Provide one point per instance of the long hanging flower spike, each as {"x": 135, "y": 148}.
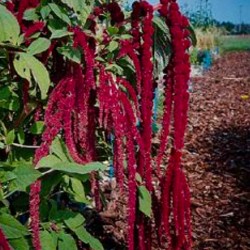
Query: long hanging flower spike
{"x": 71, "y": 111}
{"x": 174, "y": 181}
{"x": 4, "y": 245}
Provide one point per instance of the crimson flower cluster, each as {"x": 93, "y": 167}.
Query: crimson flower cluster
{"x": 174, "y": 182}
{"x": 87, "y": 98}
{"x": 116, "y": 13}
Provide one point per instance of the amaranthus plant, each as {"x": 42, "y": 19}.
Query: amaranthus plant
{"x": 73, "y": 74}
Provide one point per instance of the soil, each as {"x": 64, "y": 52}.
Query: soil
{"x": 216, "y": 162}
{"x": 217, "y": 157}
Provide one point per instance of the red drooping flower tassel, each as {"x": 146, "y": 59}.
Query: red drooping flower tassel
{"x": 4, "y": 245}
{"x": 132, "y": 190}
{"x": 175, "y": 192}
{"x": 35, "y": 190}
{"x": 37, "y": 26}
{"x": 128, "y": 49}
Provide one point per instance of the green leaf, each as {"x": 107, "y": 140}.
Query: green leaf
{"x": 50, "y": 182}
{"x": 113, "y": 45}
{"x": 45, "y": 11}
{"x": 69, "y": 167}
{"x": 38, "y": 46}
{"x": 59, "y": 149}
{"x": 10, "y": 137}
{"x": 12, "y": 104}
{"x": 112, "y": 30}
{"x": 21, "y": 136}
{"x": 6, "y": 176}
{"x": 82, "y": 8}
{"x": 11, "y": 227}
{"x": 37, "y": 128}
{"x": 47, "y": 241}
{"x": 138, "y": 177}
{"x": 26, "y": 175}
{"x": 9, "y": 26}
{"x": 87, "y": 238}
{"x": 5, "y": 93}
{"x": 30, "y": 15}
{"x": 115, "y": 69}
{"x": 66, "y": 242}
{"x": 59, "y": 13}
{"x": 19, "y": 244}
{"x": 78, "y": 191}
{"x": 76, "y": 220}
{"x": 26, "y": 64}
{"x": 48, "y": 161}
{"x": 60, "y": 33}
{"x": 70, "y": 53}
{"x": 145, "y": 202}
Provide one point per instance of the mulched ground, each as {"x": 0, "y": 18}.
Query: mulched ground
{"x": 217, "y": 159}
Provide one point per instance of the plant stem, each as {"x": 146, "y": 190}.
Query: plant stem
{"x": 24, "y": 146}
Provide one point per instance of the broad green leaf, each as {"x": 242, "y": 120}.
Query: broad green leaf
{"x": 82, "y": 8}
{"x": 50, "y": 182}
{"x": 138, "y": 177}
{"x": 76, "y": 220}
{"x": 55, "y": 24}
{"x": 161, "y": 24}
{"x": 10, "y": 137}
{"x": 145, "y": 202}
{"x": 5, "y": 93}
{"x": 9, "y": 27}
{"x": 59, "y": 149}
{"x": 45, "y": 11}
{"x": 37, "y": 128}
{"x": 66, "y": 242}
{"x": 59, "y": 13}
{"x": 22, "y": 67}
{"x": 113, "y": 45}
{"x": 78, "y": 191}
{"x": 26, "y": 64}
{"x": 112, "y": 30}
{"x": 30, "y": 15}
{"x": 47, "y": 241}
{"x": 115, "y": 69}
{"x": 21, "y": 136}
{"x": 11, "y": 227}
{"x": 48, "y": 161}
{"x": 12, "y": 104}
{"x": 26, "y": 175}
{"x": 87, "y": 238}
{"x": 38, "y": 46}
{"x": 6, "y": 176}
{"x": 60, "y": 33}
{"x": 69, "y": 167}
{"x": 70, "y": 53}
{"x": 19, "y": 244}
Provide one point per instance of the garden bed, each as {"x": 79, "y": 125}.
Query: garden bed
{"x": 217, "y": 154}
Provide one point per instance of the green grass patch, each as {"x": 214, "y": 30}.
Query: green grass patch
{"x": 234, "y": 43}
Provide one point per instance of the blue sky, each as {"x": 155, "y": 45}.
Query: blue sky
{"x": 222, "y": 10}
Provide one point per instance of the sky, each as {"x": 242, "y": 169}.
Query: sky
{"x": 222, "y": 10}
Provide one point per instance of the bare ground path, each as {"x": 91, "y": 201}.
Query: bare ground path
{"x": 217, "y": 156}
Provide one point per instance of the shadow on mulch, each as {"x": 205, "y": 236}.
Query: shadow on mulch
{"x": 229, "y": 157}
{"x": 229, "y": 151}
